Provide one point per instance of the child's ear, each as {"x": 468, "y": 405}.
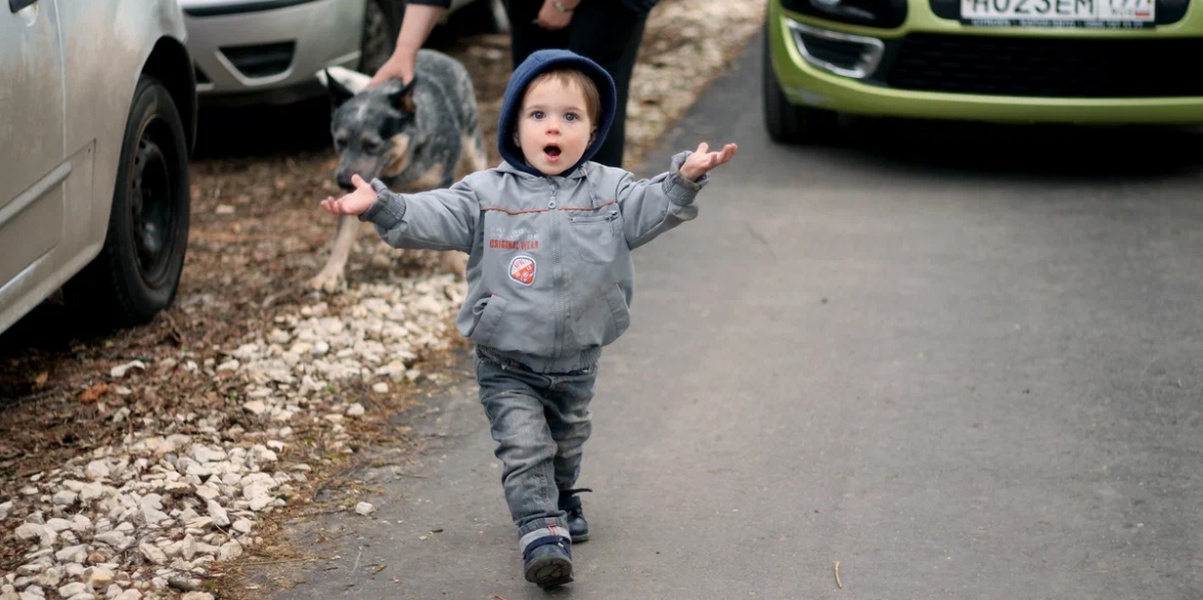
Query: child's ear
{"x": 592, "y": 135}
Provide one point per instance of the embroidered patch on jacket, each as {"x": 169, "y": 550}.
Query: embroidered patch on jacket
{"x": 522, "y": 270}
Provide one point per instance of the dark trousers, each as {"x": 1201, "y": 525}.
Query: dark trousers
{"x": 605, "y": 31}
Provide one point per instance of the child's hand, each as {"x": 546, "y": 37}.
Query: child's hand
{"x": 354, "y": 203}
{"x": 700, "y": 161}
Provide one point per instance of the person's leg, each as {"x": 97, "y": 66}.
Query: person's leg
{"x": 511, "y": 400}
{"x": 570, "y": 421}
{"x": 514, "y": 400}
{"x": 609, "y": 33}
{"x": 525, "y": 36}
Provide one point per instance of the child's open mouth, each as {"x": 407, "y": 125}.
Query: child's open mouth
{"x": 552, "y": 151}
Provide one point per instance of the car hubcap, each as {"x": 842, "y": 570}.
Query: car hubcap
{"x": 150, "y": 206}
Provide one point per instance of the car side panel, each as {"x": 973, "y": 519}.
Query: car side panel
{"x": 32, "y": 180}
{"x": 103, "y": 40}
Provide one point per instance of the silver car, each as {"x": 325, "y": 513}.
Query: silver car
{"x": 267, "y": 51}
{"x": 97, "y": 120}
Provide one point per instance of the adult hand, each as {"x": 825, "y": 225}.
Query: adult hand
{"x": 552, "y": 15}
{"x": 398, "y": 66}
{"x": 418, "y": 22}
{"x": 701, "y": 161}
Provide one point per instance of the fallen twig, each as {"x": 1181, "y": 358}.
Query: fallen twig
{"x": 285, "y": 560}
{"x": 838, "y": 583}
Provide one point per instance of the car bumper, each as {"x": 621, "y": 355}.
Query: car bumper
{"x": 807, "y": 80}
{"x": 270, "y": 55}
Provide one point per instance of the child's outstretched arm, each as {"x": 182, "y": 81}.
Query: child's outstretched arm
{"x": 701, "y": 161}
{"x": 353, "y": 203}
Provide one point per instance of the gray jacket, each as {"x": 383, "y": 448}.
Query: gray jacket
{"x": 549, "y": 270}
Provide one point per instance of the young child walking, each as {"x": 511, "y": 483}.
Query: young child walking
{"x": 549, "y": 236}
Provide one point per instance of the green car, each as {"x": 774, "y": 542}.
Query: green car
{"x": 1004, "y": 61}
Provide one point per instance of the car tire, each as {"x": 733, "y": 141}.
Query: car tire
{"x": 787, "y": 123}
{"x": 137, "y": 272}
{"x": 381, "y": 24}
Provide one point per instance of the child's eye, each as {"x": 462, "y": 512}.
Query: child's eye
{"x": 571, "y": 116}
{"x": 537, "y": 114}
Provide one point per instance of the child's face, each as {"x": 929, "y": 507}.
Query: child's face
{"x": 554, "y": 128}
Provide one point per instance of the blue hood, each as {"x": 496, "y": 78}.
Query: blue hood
{"x": 541, "y": 62}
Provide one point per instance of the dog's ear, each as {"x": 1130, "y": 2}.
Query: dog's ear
{"x": 338, "y": 92}
{"x": 403, "y": 99}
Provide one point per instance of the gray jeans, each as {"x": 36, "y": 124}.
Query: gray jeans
{"x": 540, "y": 421}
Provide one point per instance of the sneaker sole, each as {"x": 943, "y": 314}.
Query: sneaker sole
{"x": 550, "y": 571}
{"x": 576, "y": 539}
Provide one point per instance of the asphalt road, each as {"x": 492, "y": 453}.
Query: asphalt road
{"x": 968, "y": 372}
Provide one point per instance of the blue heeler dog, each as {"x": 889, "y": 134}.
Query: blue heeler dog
{"x": 414, "y": 137}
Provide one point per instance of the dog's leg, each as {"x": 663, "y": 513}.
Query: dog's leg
{"x": 454, "y": 262}
{"x": 331, "y": 277}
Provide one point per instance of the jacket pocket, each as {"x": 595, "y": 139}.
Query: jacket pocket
{"x": 489, "y": 312}
{"x": 597, "y": 236}
{"x": 602, "y": 318}
{"x": 619, "y": 311}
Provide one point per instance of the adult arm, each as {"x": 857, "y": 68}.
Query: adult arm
{"x": 420, "y": 18}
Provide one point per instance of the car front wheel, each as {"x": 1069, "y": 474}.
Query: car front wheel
{"x": 138, "y": 270}
{"x": 381, "y": 24}
{"x": 787, "y": 123}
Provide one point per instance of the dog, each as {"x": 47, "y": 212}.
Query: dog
{"x": 414, "y": 137}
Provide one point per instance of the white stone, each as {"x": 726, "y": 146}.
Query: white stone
{"x": 91, "y": 491}
{"x": 48, "y": 578}
{"x": 228, "y": 551}
{"x": 365, "y": 508}
{"x": 72, "y": 554}
{"x": 98, "y": 578}
{"x": 65, "y": 498}
{"x": 218, "y": 514}
{"x": 120, "y": 371}
{"x": 81, "y": 524}
{"x": 116, "y": 539}
{"x": 152, "y": 554}
{"x": 255, "y": 407}
{"x": 45, "y": 535}
{"x": 58, "y": 525}
{"x": 97, "y": 469}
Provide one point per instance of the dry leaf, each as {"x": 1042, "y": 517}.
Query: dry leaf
{"x": 95, "y": 392}
{"x": 41, "y": 379}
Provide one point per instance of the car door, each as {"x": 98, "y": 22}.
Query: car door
{"x": 32, "y": 167}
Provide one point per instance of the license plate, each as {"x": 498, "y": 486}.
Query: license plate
{"x": 1116, "y": 14}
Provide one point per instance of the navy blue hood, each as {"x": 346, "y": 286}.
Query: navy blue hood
{"x": 537, "y": 63}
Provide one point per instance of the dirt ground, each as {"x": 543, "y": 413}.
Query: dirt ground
{"x": 256, "y": 237}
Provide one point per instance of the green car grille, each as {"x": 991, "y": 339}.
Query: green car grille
{"x": 1056, "y": 68}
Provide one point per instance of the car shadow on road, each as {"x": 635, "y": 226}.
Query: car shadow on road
{"x": 1054, "y": 152}
{"x": 262, "y": 130}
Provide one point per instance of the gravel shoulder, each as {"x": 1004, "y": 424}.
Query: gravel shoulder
{"x": 153, "y": 462}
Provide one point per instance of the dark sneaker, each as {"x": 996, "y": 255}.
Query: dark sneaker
{"x": 548, "y": 561}
{"x": 578, "y": 527}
